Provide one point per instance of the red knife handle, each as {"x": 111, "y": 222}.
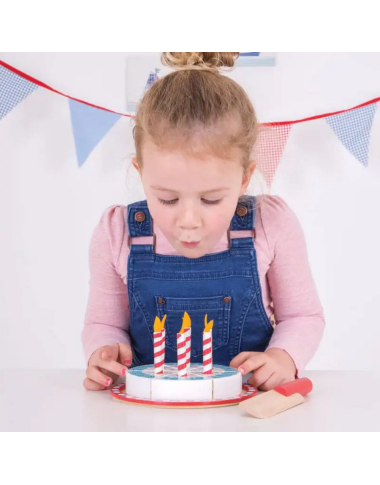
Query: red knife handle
{"x": 301, "y": 386}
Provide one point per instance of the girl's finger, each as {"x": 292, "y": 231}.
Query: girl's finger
{"x": 92, "y": 385}
{"x": 107, "y": 351}
{"x": 240, "y": 358}
{"x": 272, "y": 382}
{"x": 261, "y": 375}
{"x": 96, "y": 375}
{"x": 125, "y": 353}
{"x": 112, "y": 366}
{"x": 252, "y": 363}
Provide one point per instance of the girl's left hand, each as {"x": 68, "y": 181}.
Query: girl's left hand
{"x": 270, "y": 368}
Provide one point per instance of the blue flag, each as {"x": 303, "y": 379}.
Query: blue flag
{"x": 353, "y": 128}
{"x": 13, "y": 90}
{"x": 90, "y": 125}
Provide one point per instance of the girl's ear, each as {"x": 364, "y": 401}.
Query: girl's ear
{"x": 135, "y": 164}
{"x": 247, "y": 177}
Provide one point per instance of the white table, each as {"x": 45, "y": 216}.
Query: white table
{"x": 56, "y": 401}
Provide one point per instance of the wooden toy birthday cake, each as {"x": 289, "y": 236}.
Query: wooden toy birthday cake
{"x": 183, "y": 384}
{"x": 223, "y": 383}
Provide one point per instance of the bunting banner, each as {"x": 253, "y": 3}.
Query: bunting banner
{"x": 268, "y": 150}
{"x": 91, "y": 123}
{"x": 13, "y": 90}
{"x": 89, "y": 126}
{"x": 353, "y": 128}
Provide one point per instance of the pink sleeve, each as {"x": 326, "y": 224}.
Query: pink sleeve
{"x": 297, "y": 308}
{"x": 107, "y": 314}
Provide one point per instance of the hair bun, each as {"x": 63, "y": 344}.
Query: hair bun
{"x": 208, "y": 61}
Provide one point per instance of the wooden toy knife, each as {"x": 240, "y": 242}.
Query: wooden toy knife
{"x": 279, "y": 399}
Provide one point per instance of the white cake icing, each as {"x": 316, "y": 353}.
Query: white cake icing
{"x": 223, "y": 383}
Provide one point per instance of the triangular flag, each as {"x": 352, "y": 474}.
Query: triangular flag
{"x": 269, "y": 147}
{"x": 13, "y": 90}
{"x": 90, "y": 125}
{"x": 353, "y": 128}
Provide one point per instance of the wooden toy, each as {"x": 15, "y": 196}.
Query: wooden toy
{"x": 186, "y": 385}
{"x": 159, "y": 345}
{"x": 187, "y": 326}
{"x": 221, "y": 388}
{"x": 207, "y": 347}
{"x": 279, "y": 399}
{"x": 182, "y": 366}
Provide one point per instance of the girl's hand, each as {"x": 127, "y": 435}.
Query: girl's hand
{"x": 105, "y": 366}
{"x": 270, "y": 368}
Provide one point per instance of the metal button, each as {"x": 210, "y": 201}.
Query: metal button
{"x": 161, "y": 300}
{"x": 226, "y": 299}
{"x": 241, "y": 210}
{"x": 140, "y": 216}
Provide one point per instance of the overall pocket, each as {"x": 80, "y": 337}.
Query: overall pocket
{"x": 217, "y": 308}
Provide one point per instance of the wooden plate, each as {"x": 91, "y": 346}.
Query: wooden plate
{"x": 118, "y": 392}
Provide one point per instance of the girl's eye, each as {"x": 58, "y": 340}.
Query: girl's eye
{"x": 211, "y": 202}
{"x": 173, "y": 201}
{"x": 168, "y": 202}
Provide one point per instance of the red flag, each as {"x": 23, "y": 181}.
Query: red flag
{"x": 269, "y": 147}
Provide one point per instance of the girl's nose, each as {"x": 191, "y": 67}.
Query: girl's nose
{"x": 189, "y": 219}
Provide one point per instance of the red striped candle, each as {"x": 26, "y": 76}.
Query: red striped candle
{"x": 207, "y": 347}
{"x": 159, "y": 345}
{"x": 159, "y": 352}
{"x": 188, "y": 348}
{"x": 181, "y": 354}
{"x": 186, "y": 329}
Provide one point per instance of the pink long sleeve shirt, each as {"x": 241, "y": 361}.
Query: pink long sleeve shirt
{"x": 288, "y": 289}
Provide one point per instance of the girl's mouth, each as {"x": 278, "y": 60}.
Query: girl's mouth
{"x": 190, "y": 244}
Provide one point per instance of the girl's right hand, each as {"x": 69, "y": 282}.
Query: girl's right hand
{"x": 105, "y": 366}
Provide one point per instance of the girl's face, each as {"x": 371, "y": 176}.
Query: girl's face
{"x": 191, "y": 200}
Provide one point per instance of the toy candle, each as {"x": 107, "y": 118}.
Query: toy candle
{"x": 182, "y": 352}
{"x": 207, "y": 347}
{"x": 187, "y": 324}
{"x": 159, "y": 345}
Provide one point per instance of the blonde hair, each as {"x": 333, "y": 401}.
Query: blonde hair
{"x": 197, "y": 108}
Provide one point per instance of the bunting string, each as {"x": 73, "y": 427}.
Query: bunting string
{"x": 90, "y": 123}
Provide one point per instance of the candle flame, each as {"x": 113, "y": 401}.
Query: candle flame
{"x": 186, "y": 322}
{"x": 209, "y": 325}
{"x": 159, "y": 324}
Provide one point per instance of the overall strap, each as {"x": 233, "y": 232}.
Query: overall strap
{"x": 141, "y": 239}
{"x": 242, "y": 229}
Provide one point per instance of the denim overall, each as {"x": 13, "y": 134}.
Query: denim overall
{"x": 223, "y": 285}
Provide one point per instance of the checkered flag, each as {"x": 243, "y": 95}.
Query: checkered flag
{"x": 353, "y": 128}
{"x": 269, "y": 147}
{"x": 13, "y": 90}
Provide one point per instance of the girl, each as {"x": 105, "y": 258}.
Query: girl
{"x": 197, "y": 243}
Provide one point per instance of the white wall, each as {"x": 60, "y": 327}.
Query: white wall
{"x": 48, "y": 207}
